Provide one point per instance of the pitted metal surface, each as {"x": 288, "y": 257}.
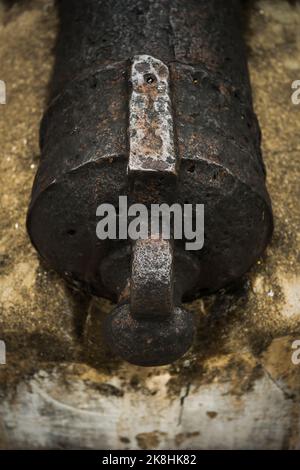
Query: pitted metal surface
{"x": 152, "y": 278}
{"x": 151, "y": 134}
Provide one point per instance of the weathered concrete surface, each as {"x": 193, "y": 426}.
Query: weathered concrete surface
{"x": 61, "y": 387}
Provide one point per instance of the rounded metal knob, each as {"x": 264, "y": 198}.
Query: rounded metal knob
{"x": 149, "y": 342}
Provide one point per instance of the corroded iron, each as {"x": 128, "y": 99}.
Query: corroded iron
{"x": 150, "y": 100}
{"x": 151, "y": 133}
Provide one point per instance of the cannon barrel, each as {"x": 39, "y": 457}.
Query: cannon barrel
{"x": 150, "y": 100}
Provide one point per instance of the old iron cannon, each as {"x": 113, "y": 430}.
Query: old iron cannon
{"x": 150, "y": 99}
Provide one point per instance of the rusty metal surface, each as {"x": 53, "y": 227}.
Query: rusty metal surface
{"x": 151, "y": 134}
{"x": 152, "y": 278}
{"x": 86, "y": 148}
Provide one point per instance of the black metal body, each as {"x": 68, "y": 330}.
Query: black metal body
{"x": 85, "y": 149}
